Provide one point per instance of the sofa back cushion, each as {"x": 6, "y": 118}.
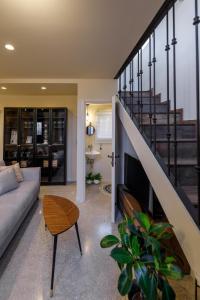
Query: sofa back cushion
{"x": 7, "y": 181}
{"x": 2, "y": 163}
{"x": 17, "y": 170}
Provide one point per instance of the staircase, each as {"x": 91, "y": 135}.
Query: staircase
{"x": 155, "y": 127}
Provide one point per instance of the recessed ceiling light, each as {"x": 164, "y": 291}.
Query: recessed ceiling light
{"x": 9, "y": 47}
{"x": 43, "y": 88}
{"x": 4, "y": 88}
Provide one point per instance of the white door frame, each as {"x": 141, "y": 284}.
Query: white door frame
{"x": 81, "y": 115}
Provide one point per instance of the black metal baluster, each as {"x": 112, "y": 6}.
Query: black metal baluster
{"x": 132, "y": 86}
{"x": 120, "y": 86}
{"x": 167, "y": 49}
{"x": 154, "y": 90}
{"x": 125, "y": 87}
{"x": 150, "y": 87}
{"x": 141, "y": 88}
{"x": 174, "y": 42}
{"x": 138, "y": 76}
{"x": 196, "y": 24}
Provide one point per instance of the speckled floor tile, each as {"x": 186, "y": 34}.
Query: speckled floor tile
{"x": 26, "y": 267}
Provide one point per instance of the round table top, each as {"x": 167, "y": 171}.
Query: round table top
{"x": 60, "y": 214}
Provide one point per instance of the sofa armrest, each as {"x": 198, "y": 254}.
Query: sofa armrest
{"x": 32, "y": 174}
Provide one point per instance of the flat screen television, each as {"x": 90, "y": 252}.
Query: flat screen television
{"x": 136, "y": 180}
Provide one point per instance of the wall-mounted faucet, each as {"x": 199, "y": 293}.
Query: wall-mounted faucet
{"x": 90, "y": 147}
{"x": 100, "y": 147}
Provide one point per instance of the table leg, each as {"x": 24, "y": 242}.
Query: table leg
{"x": 53, "y": 264}
{"x": 79, "y": 242}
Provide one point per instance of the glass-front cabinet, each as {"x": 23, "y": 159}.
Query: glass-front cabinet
{"x": 37, "y": 137}
{"x": 11, "y": 135}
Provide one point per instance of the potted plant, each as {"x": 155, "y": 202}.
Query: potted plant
{"x": 97, "y": 178}
{"x": 143, "y": 261}
{"x": 89, "y": 178}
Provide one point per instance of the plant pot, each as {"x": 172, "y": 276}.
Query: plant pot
{"x": 96, "y": 181}
{"x": 89, "y": 181}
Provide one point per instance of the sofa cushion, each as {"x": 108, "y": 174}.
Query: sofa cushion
{"x": 2, "y": 163}
{"x": 14, "y": 204}
{"x": 17, "y": 170}
{"x": 7, "y": 181}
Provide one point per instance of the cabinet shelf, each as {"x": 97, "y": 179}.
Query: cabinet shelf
{"x": 24, "y": 124}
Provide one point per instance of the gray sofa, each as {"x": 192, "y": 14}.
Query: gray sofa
{"x": 15, "y": 205}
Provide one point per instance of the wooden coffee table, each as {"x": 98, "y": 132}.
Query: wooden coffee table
{"x": 60, "y": 214}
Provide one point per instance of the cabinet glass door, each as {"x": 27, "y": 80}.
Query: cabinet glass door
{"x": 11, "y": 153}
{"x": 27, "y": 137}
{"x": 58, "y": 126}
{"x": 58, "y": 145}
{"x": 42, "y": 143}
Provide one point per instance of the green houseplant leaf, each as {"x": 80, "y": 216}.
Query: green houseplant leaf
{"x": 121, "y": 255}
{"x": 143, "y": 220}
{"x": 159, "y": 229}
{"x": 172, "y": 271}
{"x": 167, "y": 291}
{"x": 109, "y": 241}
{"x": 124, "y": 282}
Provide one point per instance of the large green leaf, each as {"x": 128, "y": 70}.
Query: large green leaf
{"x": 147, "y": 282}
{"x": 167, "y": 291}
{"x": 125, "y": 240}
{"x": 154, "y": 244}
{"x": 141, "y": 274}
{"x": 152, "y": 290}
{"x": 122, "y": 228}
{"x": 109, "y": 241}
{"x": 124, "y": 283}
{"x": 159, "y": 229}
{"x": 143, "y": 219}
{"x": 121, "y": 255}
{"x": 172, "y": 271}
{"x": 135, "y": 246}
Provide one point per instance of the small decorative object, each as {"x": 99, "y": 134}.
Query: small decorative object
{"x": 45, "y": 163}
{"x": 54, "y": 163}
{"x": 141, "y": 256}
{"x": 39, "y": 128}
{"x": 13, "y": 138}
{"x": 29, "y": 140}
{"x": 23, "y": 164}
{"x": 45, "y": 134}
{"x": 90, "y": 130}
{"x": 97, "y": 178}
{"x": 89, "y": 178}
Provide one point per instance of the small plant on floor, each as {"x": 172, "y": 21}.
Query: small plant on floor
{"x": 89, "y": 178}
{"x": 97, "y": 178}
{"x": 142, "y": 259}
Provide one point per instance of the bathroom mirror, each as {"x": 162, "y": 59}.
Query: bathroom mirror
{"x": 90, "y": 130}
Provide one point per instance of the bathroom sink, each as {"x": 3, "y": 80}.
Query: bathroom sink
{"x": 92, "y": 154}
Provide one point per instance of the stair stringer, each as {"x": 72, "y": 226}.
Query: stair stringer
{"x": 185, "y": 229}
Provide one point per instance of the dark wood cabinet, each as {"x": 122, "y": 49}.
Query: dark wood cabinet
{"x": 37, "y": 137}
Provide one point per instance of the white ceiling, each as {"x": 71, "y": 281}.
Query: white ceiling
{"x": 35, "y": 89}
{"x": 70, "y": 38}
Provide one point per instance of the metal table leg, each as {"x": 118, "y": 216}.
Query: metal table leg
{"x": 79, "y": 242}
{"x": 53, "y": 264}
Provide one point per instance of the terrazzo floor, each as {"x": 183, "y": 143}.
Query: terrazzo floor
{"x": 26, "y": 268}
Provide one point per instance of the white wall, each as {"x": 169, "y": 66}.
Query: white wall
{"x": 47, "y": 101}
{"x": 185, "y": 60}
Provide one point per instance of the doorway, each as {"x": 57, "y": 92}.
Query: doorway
{"x": 98, "y": 148}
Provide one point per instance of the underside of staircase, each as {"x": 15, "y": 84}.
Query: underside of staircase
{"x": 155, "y": 120}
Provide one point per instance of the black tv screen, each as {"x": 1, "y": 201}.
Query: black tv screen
{"x": 136, "y": 180}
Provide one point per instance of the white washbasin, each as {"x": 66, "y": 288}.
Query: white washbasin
{"x": 92, "y": 154}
